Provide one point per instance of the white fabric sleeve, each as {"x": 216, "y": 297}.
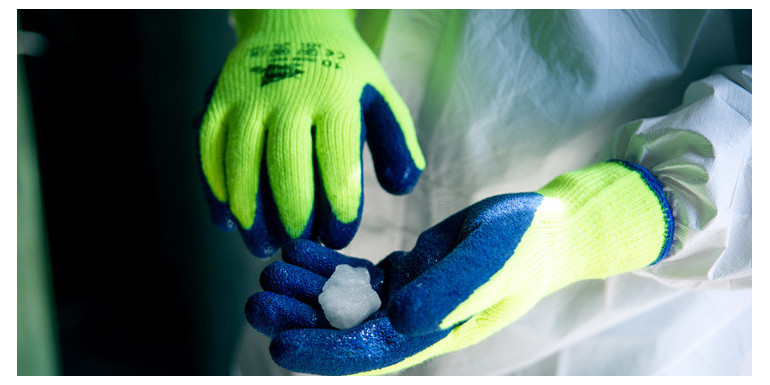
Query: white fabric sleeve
{"x": 701, "y": 152}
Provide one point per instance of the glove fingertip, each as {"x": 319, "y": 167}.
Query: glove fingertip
{"x": 292, "y": 281}
{"x": 334, "y": 233}
{"x": 259, "y": 239}
{"x": 323, "y": 261}
{"x": 220, "y": 213}
{"x": 259, "y": 242}
{"x": 270, "y": 313}
{"x": 281, "y": 350}
{"x": 258, "y": 315}
{"x": 394, "y": 158}
{"x": 266, "y": 234}
{"x": 399, "y": 180}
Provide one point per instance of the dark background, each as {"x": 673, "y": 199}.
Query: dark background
{"x": 143, "y": 283}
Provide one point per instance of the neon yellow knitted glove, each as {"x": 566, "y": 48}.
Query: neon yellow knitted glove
{"x": 281, "y": 139}
{"x": 468, "y": 276}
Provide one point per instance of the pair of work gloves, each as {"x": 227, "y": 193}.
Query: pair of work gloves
{"x": 280, "y": 149}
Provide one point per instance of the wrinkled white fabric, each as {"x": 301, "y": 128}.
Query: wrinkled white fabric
{"x": 701, "y": 152}
{"x": 504, "y": 101}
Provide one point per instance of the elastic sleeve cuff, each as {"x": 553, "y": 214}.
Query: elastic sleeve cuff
{"x": 657, "y": 188}
{"x": 701, "y": 154}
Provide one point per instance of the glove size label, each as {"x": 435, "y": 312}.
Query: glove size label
{"x": 289, "y": 60}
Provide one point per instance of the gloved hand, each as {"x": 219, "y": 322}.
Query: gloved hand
{"x": 468, "y": 276}
{"x": 281, "y": 138}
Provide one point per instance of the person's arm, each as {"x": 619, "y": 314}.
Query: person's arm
{"x": 487, "y": 265}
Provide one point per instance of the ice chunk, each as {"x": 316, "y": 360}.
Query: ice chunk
{"x": 347, "y": 297}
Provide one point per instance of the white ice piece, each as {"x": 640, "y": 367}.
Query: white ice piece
{"x": 347, "y": 297}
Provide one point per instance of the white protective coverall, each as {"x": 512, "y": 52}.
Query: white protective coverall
{"x": 504, "y": 101}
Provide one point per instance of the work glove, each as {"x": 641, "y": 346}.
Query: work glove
{"x": 468, "y": 276}
{"x": 282, "y": 135}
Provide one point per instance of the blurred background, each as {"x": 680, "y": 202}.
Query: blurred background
{"x": 120, "y": 271}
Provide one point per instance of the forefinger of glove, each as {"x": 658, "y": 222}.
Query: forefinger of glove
{"x": 323, "y": 261}
{"x": 271, "y": 313}
{"x": 292, "y": 281}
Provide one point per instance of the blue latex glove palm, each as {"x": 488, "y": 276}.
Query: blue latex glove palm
{"x": 417, "y": 290}
{"x": 468, "y": 276}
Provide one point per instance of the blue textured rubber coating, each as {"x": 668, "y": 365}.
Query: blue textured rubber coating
{"x": 267, "y": 234}
{"x": 485, "y": 236}
{"x": 322, "y": 261}
{"x": 393, "y": 162}
{"x": 271, "y": 313}
{"x": 219, "y": 212}
{"x": 303, "y": 339}
{"x": 292, "y": 281}
{"x": 371, "y": 345}
{"x": 657, "y": 187}
{"x": 418, "y": 289}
